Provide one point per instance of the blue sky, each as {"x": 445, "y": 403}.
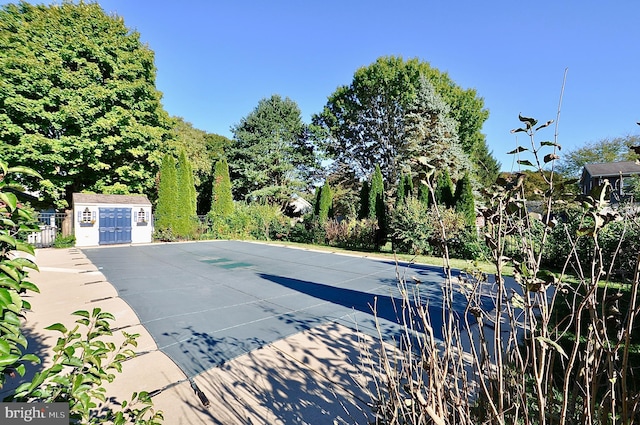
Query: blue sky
{"x": 216, "y": 59}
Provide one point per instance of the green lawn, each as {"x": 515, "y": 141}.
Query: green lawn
{"x": 386, "y": 253}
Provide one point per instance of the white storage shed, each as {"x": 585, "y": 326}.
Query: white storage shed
{"x": 111, "y": 219}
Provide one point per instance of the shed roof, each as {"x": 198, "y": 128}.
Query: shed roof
{"x": 97, "y": 198}
{"x": 612, "y": 168}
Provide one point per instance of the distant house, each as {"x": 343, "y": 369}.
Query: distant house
{"x": 617, "y": 173}
{"x": 111, "y": 219}
{"x": 297, "y": 206}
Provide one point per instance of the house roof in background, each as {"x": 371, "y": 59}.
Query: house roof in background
{"x": 612, "y": 168}
{"x": 96, "y": 198}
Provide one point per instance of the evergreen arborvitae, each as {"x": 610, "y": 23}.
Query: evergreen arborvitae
{"x": 326, "y": 200}
{"x": 400, "y": 195}
{"x": 377, "y": 209}
{"x": 364, "y": 201}
{"x": 405, "y": 188}
{"x": 221, "y": 196}
{"x": 444, "y": 190}
{"x": 167, "y": 195}
{"x": 423, "y": 194}
{"x": 408, "y": 185}
{"x": 376, "y": 191}
{"x": 316, "y": 205}
{"x": 464, "y": 202}
{"x": 186, "y": 220}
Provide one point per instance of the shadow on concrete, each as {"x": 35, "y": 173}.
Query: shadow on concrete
{"x": 311, "y": 378}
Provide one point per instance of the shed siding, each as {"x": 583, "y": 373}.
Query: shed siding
{"x": 86, "y": 222}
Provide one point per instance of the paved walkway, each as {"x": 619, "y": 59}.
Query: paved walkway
{"x": 311, "y": 377}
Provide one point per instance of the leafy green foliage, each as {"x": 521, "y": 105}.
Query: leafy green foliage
{"x": 444, "y": 190}
{"x": 377, "y": 207}
{"x": 79, "y": 102}
{"x": 464, "y": 202}
{"x": 325, "y": 203}
{"x": 15, "y": 219}
{"x": 534, "y": 183}
{"x": 249, "y": 222}
{"x": 64, "y": 241}
{"x": 186, "y": 220}
{"x": 405, "y": 188}
{"x": 203, "y": 150}
{"x": 82, "y": 363}
{"x": 605, "y": 150}
{"x": 271, "y": 157}
{"x": 364, "y": 201}
{"x": 352, "y": 234}
{"x": 364, "y": 122}
{"x": 166, "y": 208}
{"x": 222, "y": 199}
{"x": 431, "y": 134}
{"x": 415, "y": 230}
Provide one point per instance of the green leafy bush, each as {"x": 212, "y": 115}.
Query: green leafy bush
{"x": 17, "y": 219}
{"x": 249, "y": 222}
{"x": 64, "y": 241}
{"x": 310, "y": 231}
{"x": 83, "y": 362}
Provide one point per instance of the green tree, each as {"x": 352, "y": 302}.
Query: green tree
{"x": 605, "y": 150}
{"x": 377, "y": 208}
{"x": 405, "y": 188}
{"x": 203, "y": 150}
{"x": 464, "y": 201}
{"x": 78, "y": 101}
{"x": 363, "y": 212}
{"x": 217, "y": 146}
{"x": 222, "y": 199}
{"x": 345, "y": 188}
{"x": 326, "y": 201}
{"x": 166, "y": 208}
{"x": 400, "y": 191}
{"x": 444, "y": 190}
{"x": 364, "y": 122}
{"x": 431, "y": 133}
{"x": 270, "y": 157}
{"x": 186, "y": 217}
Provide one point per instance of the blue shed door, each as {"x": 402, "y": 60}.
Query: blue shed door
{"x": 115, "y": 226}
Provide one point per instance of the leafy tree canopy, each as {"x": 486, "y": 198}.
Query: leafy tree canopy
{"x": 364, "y": 122}
{"x": 431, "y": 133}
{"x": 195, "y": 144}
{"x": 271, "y": 157}
{"x": 203, "y": 150}
{"x": 221, "y": 198}
{"x": 78, "y": 101}
{"x": 605, "y": 150}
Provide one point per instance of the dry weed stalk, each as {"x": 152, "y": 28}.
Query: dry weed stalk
{"x": 547, "y": 349}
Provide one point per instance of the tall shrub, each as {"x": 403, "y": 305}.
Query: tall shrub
{"x": 186, "y": 217}
{"x": 326, "y": 200}
{"x": 464, "y": 202}
{"x": 221, "y": 197}
{"x": 166, "y": 209}
{"x": 444, "y": 190}
{"x": 316, "y": 205}
{"x": 376, "y": 204}
{"x": 363, "y": 212}
{"x": 405, "y": 189}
